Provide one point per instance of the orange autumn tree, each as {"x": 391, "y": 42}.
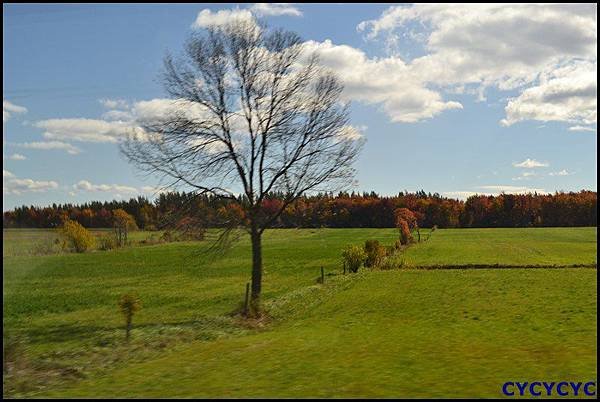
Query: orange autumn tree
{"x": 405, "y": 221}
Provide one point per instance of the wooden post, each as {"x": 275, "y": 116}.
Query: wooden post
{"x": 246, "y": 299}
{"x": 322, "y": 275}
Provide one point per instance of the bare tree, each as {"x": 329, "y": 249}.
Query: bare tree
{"x": 253, "y": 112}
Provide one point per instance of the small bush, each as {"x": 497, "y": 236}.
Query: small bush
{"x": 167, "y": 236}
{"x": 76, "y": 237}
{"x": 353, "y": 257}
{"x": 375, "y": 253}
{"x": 152, "y": 239}
{"x": 390, "y": 250}
{"x": 107, "y": 242}
{"x": 129, "y": 304}
{"x": 387, "y": 264}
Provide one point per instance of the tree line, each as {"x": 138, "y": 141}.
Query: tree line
{"x": 342, "y": 210}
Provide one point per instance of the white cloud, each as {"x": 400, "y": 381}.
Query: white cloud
{"x": 387, "y": 81}
{"x": 568, "y": 94}
{"x": 8, "y": 108}
{"x": 472, "y": 47}
{"x": 16, "y": 186}
{"x": 117, "y": 115}
{"x": 275, "y": 9}
{"x": 461, "y": 195}
{"x": 17, "y": 157}
{"x": 114, "y": 103}
{"x": 117, "y": 190}
{"x": 512, "y": 190}
{"x": 582, "y": 128}
{"x": 352, "y": 133}
{"x": 115, "y": 126}
{"x": 6, "y": 173}
{"x": 530, "y": 164}
{"x": 525, "y": 176}
{"x": 207, "y": 18}
{"x": 48, "y": 145}
{"x": 85, "y": 185}
{"x": 85, "y": 130}
{"x": 563, "y": 172}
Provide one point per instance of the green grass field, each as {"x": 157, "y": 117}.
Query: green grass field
{"x": 404, "y": 332}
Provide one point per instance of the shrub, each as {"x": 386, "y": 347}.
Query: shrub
{"x": 405, "y": 222}
{"x": 77, "y": 237}
{"x": 405, "y": 235}
{"x": 107, "y": 242}
{"x": 390, "y": 250}
{"x": 152, "y": 239}
{"x": 375, "y": 252}
{"x": 129, "y": 304}
{"x": 46, "y": 246}
{"x": 167, "y": 236}
{"x": 353, "y": 257}
{"x": 387, "y": 264}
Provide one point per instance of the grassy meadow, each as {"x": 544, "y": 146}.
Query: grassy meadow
{"x": 401, "y": 332}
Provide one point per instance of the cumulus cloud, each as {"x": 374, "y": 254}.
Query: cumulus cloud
{"x": 507, "y": 46}
{"x": 530, "y": 164}
{"x": 48, "y": 145}
{"x": 568, "y": 94}
{"x": 388, "y": 82}
{"x": 9, "y": 108}
{"x": 207, "y": 18}
{"x": 14, "y": 185}
{"x": 84, "y": 130}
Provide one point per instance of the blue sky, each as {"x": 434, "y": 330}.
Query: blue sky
{"x": 450, "y": 99}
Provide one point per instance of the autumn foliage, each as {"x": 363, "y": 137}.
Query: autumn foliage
{"x": 406, "y": 221}
{"x": 327, "y": 210}
{"x": 76, "y": 237}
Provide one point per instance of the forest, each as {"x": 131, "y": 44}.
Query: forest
{"x": 344, "y": 210}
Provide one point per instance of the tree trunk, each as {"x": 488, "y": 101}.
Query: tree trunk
{"x": 128, "y": 329}
{"x": 256, "y": 265}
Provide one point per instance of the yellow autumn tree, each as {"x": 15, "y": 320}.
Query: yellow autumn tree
{"x": 122, "y": 224}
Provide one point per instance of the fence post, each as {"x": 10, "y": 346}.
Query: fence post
{"x": 246, "y": 299}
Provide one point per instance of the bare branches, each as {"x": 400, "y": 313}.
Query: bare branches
{"x": 252, "y": 110}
